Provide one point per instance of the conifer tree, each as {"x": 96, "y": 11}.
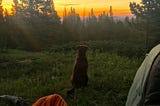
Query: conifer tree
{"x": 148, "y": 13}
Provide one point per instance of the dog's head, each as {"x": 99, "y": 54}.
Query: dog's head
{"x": 82, "y": 50}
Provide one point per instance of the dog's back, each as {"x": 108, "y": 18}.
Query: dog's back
{"x": 79, "y": 76}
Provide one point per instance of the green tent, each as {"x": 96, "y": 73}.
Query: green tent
{"x": 136, "y": 92}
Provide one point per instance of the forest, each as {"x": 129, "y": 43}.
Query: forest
{"x": 35, "y": 26}
{"x": 38, "y": 47}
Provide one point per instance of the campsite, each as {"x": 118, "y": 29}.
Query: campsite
{"x": 33, "y": 75}
{"x": 40, "y": 44}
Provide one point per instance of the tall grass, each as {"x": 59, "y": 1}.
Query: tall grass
{"x": 33, "y": 75}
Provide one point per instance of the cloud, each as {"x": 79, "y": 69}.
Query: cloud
{"x": 68, "y": 4}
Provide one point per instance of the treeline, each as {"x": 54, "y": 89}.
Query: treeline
{"x": 34, "y": 25}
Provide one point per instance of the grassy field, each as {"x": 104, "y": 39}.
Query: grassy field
{"x": 33, "y": 75}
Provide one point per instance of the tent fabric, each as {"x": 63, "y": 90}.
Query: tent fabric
{"x": 137, "y": 88}
{"x": 51, "y": 100}
{"x": 152, "y": 87}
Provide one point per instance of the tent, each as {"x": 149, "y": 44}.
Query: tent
{"x": 142, "y": 77}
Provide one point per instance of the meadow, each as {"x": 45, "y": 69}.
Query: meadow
{"x": 36, "y": 74}
{"x": 37, "y": 51}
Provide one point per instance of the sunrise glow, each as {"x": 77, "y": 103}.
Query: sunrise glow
{"x": 120, "y": 7}
{"x": 7, "y": 5}
{"x": 83, "y": 7}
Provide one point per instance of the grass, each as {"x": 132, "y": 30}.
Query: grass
{"x": 33, "y": 75}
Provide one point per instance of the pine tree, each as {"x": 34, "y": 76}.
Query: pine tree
{"x": 148, "y": 13}
{"x": 3, "y": 30}
{"x": 1, "y": 26}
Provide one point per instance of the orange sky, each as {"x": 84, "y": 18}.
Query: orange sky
{"x": 120, "y": 7}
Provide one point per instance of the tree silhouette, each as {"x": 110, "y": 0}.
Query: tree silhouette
{"x": 148, "y": 12}
{"x": 3, "y": 37}
{"x": 1, "y": 26}
{"x": 36, "y": 23}
{"x": 72, "y": 24}
{"x": 4, "y": 29}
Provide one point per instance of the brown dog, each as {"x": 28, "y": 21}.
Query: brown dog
{"x": 79, "y": 77}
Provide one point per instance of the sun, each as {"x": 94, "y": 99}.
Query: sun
{"x": 7, "y": 5}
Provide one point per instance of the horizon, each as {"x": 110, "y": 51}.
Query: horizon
{"x": 119, "y": 8}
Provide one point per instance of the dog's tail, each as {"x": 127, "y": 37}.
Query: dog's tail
{"x": 70, "y": 92}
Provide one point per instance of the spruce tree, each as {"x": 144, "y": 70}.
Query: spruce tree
{"x": 148, "y": 13}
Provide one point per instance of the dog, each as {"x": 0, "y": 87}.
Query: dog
{"x": 79, "y": 76}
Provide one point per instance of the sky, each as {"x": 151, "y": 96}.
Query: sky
{"x": 120, "y": 7}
